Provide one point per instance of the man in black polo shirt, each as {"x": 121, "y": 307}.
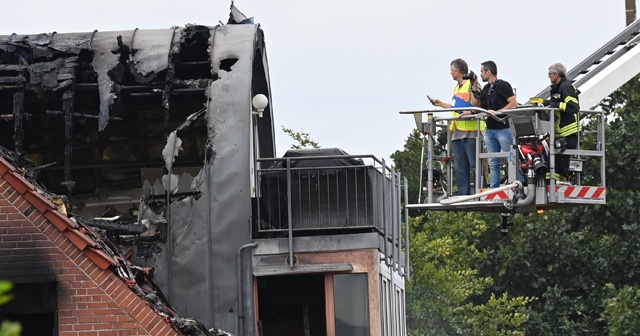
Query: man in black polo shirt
{"x": 496, "y": 96}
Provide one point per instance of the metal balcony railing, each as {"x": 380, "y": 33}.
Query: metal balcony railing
{"x": 307, "y": 195}
{"x": 327, "y": 192}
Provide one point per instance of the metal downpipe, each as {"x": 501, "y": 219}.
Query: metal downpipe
{"x": 241, "y": 317}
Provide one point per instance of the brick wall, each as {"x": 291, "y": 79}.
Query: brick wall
{"x": 92, "y": 300}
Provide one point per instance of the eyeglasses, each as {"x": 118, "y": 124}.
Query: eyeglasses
{"x": 552, "y": 73}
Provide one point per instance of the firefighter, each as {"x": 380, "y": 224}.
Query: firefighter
{"x": 564, "y": 97}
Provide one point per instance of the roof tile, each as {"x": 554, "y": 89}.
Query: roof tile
{"x": 56, "y": 218}
{"x": 4, "y": 167}
{"x": 100, "y": 258}
{"x": 79, "y": 239}
{"x": 19, "y": 183}
{"x": 39, "y": 202}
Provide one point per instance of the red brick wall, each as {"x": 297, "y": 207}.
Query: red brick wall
{"x": 91, "y": 300}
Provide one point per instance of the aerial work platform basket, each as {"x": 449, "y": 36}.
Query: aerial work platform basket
{"x": 528, "y": 184}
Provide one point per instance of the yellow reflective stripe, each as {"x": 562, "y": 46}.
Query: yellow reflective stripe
{"x": 567, "y": 100}
{"x": 467, "y": 125}
{"x": 565, "y": 134}
{"x": 572, "y": 126}
{"x": 558, "y": 176}
{"x": 567, "y": 130}
{"x": 570, "y": 99}
{"x": 562, "y": 106}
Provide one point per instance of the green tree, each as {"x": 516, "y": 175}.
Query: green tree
{"x": 302, "y": 139}
{"x": 622, "y": 310}
{"x": 407, "y": 161}
{"x": 444, "y": 294}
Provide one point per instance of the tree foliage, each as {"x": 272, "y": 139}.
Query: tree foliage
{"x": 408, "y": 163}
{"x": 302, "y": 139}
{"x": 622, "y": 310}
{"x": 407, "y": 160}
{"x": 446, "y": 281}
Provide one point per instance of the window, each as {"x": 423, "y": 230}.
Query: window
{"x": 351, "y": 301}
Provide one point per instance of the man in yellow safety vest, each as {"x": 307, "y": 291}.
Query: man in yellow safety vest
{"x": 464, "y": 131}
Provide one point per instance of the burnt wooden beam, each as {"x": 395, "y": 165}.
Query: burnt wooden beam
{"x": 46, "y": 165}
{"x": 123, "y": 165}
{"x": 10, "y": 87}
{"x": 168, "y": 89}
{"x": 13, "y": 67}
{"x": 178, "y": 91}
{"x": 181, "y": 85}
{"x": 117, "y": 226}
{"x": 207, "y": 62}
{"x": 174, "y": 92}
{"x": 191, "y": 83}
{"x": 8, "y": 117}
{"x": 18, "y": 110}
{"x": 144, "y": 94}
{"x": 78, "y": 114}
{"x": 67, "y": 106}
{"x": 12, "y": 79}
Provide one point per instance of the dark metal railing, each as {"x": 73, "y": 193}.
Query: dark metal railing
{"x": 304, "y": 195}
{"x": 325, "y": 197}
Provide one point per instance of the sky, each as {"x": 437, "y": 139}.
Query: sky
{"x": 342, "y": 70}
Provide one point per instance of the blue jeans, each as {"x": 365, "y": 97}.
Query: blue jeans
{"x": 464, "y": 155}
{"x": 497, "y": 140}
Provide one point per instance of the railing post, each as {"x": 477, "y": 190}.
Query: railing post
{"x": 289, "y": 215}
{"x": 384, "y": 212}
{"x": 432, "y": 132}
{"x": 479, "y": 173}
{"x": 421, "y": 182}
{"x": 392, "y": 219}
{"x": 449, "y": 163}
{"x": 601, "y": 147}
{"x": 406, "y": 262}
{"x": 552, "y": 157}
{"x": 397, "y": 230}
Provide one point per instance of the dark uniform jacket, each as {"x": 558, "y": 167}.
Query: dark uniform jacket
{"x": 564, "y": 96}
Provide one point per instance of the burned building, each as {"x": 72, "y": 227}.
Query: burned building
{"x": 161, "y": 142}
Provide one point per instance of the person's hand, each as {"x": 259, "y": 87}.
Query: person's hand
{"x": 436, "y": 102}
{"x": 466, "y": 113}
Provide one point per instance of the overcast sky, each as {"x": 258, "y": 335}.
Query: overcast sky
{"x": 342, "y": 70}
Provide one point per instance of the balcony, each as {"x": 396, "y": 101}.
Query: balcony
{"x": 326, "y": 191}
